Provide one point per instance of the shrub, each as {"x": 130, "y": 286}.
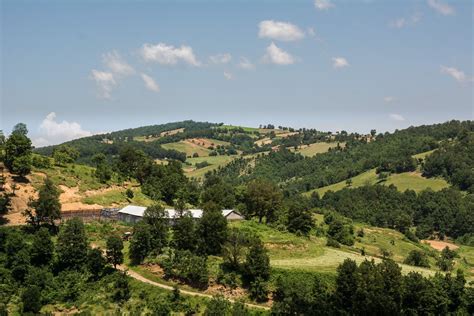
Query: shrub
{"x": 332, "y": 243}
{"x": 417, "y": 258}
{"x": 217, "y": 306}
{"x": 188, "y": 267}
{"x": 259, "y": 290}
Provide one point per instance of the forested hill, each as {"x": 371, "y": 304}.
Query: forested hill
{"x": 112, "y": 143}
{"x": 388, "y": 153}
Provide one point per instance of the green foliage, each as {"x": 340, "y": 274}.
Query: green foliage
{"x": 47, "y": 207}
{"x": 299, "y": 217}
{"x": 18, "y": 151}
{"x": 188, "y": 267}
{"x": 42, "y": 162}
{"x": 156, "y": 218}
{"x": 31, "y": 299}
{"x": 257, "y": 262}
{"x": 121, "y": 289}
{"x": 339, "y": 230}
{"x": 95, "y": 262}
{"x": 141, "y": 243}
{"x": 217, "y": 306}
{"x": 184, "y": 233}
{"x": 218, "y": 192}
{"x": 263, "y": 199}
{"x": 64, "y": 154}
{"x": 445, "y": 260}
{"x": 72, "y": 245}
{"x": 42, "y": 248}
{"x": 417, "y": 258}
{"x": 258, "y": 290}
{"x": 235, "y": 247}
{"x": 114, "y": 252}
{"x": 454, "y": 161}
{"x": 211, "y": 230}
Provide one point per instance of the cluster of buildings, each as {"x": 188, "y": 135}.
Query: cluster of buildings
{"x": 134, "y": 213}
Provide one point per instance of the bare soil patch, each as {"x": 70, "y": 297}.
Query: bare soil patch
{"x": 440, "y": 245}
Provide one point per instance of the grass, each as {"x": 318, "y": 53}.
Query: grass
{"x": 403, "y": 181}
{"x": 246, "y": 129}
{"x": 188, "y": 148}
{"x": 71, "y": 176}
{"x": 214, "y": 161}
{"x": 316, "y": 148}
{"x": 117, "y": 197}
{"x": 290, "y": 252}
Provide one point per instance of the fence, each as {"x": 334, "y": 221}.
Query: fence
{"x": 91, "y": 214}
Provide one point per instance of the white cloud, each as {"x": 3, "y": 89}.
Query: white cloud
{"x": 397, "y": 117}
{"x": 442, "y": 8}
{"x": 220, "y": 58}
{"x": 105, "y": 81}
{"x": 339, "y": 62}
{"x": 150, "y": 83}
{"x": 276, "y": 55}
{"x": 116, "y": 64}
{"x": 54, "y": 132}
{"x": 323, "y": 4}
{"x": 389, "y": 99}
{"x": 246, "y": 64}
{"x": 228, "y": 75}
{"x": 168, "y": 54}
{"x": 404, "y": 22}
{"x": 455, "y": 73}
{"x": 282, "y": 31}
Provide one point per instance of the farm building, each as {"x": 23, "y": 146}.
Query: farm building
{"x": 133, "y": 214}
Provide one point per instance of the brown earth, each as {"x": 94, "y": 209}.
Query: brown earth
{"x": 440, "y": 245}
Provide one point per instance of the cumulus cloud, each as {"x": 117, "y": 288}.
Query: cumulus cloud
{"x": 397, "y": 117}
{"x": 105, "y": 82}
{"x": 339, "y": 62}
{"x": 169, "y": 55}
{"x": 282, "y": 31}
{"x": 278, "y": 56}
{"x": 150, "y": 83}
{"x": 455, "y": 73}
{"x": 440, "y": 7}
{"x": 323, "y": 4}
{"x": 388, "y": 99}
{"x": 405, "y": 22}
{"x": 116, "y": 64}
{"x": 55, "y": 132}
{"x": 228, "y": 75}
{"x": 246, "y": 64}
{"x": 220, "y": 59}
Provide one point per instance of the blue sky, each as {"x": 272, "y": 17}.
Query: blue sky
{"x": 74, "y": 68}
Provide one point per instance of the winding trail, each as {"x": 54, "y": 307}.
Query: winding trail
{"x": 141, "y": 278}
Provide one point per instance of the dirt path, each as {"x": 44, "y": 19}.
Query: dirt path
{"x": 141, "y": 278}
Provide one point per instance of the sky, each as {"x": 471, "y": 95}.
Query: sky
{"x": 75, "y": 68}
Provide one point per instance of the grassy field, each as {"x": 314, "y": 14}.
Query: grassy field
{"x": 403, "y": 181}
{"x": 291, "y": 252}
{"x": 214, "y": 161}
{"x": 118, "y": 197}
{"x": 188, "y": 148}
{"x": 316, "y": 148}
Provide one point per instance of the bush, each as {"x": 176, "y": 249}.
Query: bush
{"x": 31, "y": 298}
{"x": 188, "y": 267}
{"x": 259, "y": 290}
{"x": 217, "y": 306}
{"x": 332, "y": 243}
{"x": 417, "y": 258}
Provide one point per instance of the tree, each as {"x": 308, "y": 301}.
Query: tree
{"x": 417, "y": 258}
{"x": 64, "y": 154}
{"x": 299, "y": 218}
{"x": 257, "y": 263}
{"x": 103, "y": 172}
{"x": 72, "y": 245}
{"x": 114, "y": 250}
{"x": 373, "y": 132}
{"x": 235, "y": 246}
{"x": 184, "y": 232}
{"x": 346, "y": 284}
{"x": 157, "y": 219}
{"x": 141, "y": 243}
{"x": 31, "y": 299}
{"x": 42, "y": 248}
{"x": 217, "y": 306}
{"x": 18, "y": 151}
{"x": 47, "y": 207}
{"x": 95, "y": 262}
{"x": 263, "y": 199}
{"x": 211, "y": 230}
{"x": 219, "y": 192}
{"x": 121, "y": 290}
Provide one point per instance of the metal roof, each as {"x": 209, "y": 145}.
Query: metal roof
{"x": 133, "y": 210}
{"x": 140, "y": 210}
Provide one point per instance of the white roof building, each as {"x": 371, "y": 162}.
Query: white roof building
{"x": 134, "y": 213}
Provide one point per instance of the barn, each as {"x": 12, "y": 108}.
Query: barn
{"x": 134, "y": 213}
